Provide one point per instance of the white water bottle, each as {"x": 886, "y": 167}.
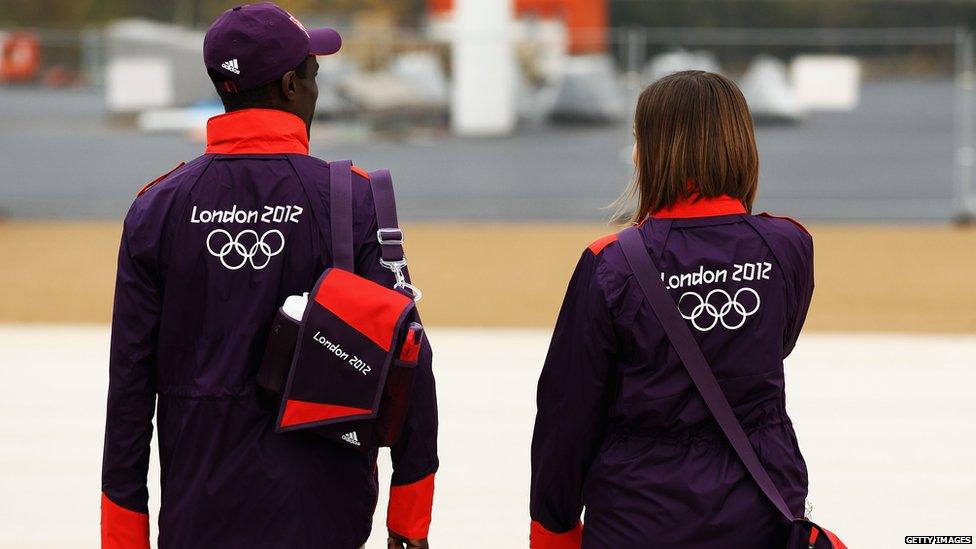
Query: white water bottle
{"x": 295, "y": 305}
{"x": 280, "y": 347}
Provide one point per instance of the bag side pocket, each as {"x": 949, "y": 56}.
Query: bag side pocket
{"x": 399, "y": 388}
{"x": 278, "y": 354}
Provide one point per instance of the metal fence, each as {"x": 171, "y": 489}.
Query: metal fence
{"x": 906, "y": 152}
{"x": 938, "y": 52}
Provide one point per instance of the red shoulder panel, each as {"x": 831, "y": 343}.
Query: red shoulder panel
{"x": 790, "y": 219}
{"x": 597, "y": 246}
{"x": 150, "y": 185}
{"x": 360, "y": 171}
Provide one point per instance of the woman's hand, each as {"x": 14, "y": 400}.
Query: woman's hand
{"x": 396, "y": 541}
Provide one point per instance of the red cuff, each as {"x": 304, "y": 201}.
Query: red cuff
{"x": 540, "y": 538}
{"x": 409, "y": 511}
{"x": 122, "y": 528}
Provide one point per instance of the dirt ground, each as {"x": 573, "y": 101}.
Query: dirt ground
{"x": 904, "y": 278}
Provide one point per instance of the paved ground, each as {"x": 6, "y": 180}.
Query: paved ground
{"x": 889, "y": 159}
{"x": 885, "y": 422}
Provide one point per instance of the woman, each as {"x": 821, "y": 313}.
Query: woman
{"x": 620, "y": 429}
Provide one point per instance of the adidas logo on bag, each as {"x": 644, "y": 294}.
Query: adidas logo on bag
{"x": 351, "y": 438}
{"x": 231, "y": 66}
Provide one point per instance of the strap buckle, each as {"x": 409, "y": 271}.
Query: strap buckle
{"x": 395, "y": 238}
{"x": 396, "y": 267}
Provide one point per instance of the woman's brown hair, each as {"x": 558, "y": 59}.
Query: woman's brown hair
{"x": 694, "y": 137}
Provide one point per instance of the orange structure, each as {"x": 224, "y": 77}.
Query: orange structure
{"x": 586, "y": 20}
{"x": 20, "y": 57}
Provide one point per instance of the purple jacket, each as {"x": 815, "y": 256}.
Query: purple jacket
{"x": 622, "y": 431}
{"x": 208, "y": 254}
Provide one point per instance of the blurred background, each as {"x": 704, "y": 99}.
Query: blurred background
{"x": 507, "y": 127}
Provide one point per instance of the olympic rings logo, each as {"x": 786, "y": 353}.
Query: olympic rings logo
{"x": 247, "y": 247}
{"x": 718, "y": 306}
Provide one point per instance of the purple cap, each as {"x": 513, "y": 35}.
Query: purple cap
{"x": 255, "y": 44}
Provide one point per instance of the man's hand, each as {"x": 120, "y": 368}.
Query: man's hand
{"x": 396, "y": 541}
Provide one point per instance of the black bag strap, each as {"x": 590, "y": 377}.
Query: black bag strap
{"x": 649, "y": 278}
{"x": 388, "y": 234}
{"x": 340, "y": 214}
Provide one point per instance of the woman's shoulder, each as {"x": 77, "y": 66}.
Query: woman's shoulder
{"x": 785, "y": 231}
{"x": 790, "y": 241}
{"x": 597, "y": 246}
{"x": 604, "y": 258}
{"x": 783, "y": 225}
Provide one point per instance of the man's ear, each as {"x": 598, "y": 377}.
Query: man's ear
{"x": 289, "y": 85}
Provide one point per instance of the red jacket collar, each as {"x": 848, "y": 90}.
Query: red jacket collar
{"x": 256, "y": 131}
{"x": 695, "y": 206}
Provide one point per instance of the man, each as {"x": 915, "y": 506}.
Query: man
{"x": 209, "y": 252}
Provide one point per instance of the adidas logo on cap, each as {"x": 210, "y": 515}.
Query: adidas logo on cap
{"x": 231, "y": 66}
{"x": 351, "y": 438}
